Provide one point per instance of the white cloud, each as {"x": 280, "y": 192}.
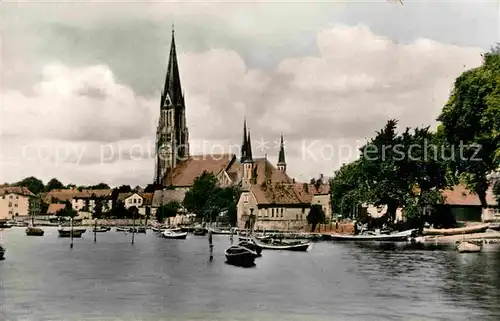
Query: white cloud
{"x": 357, "y": 82}
{"x": 77, "y": 104}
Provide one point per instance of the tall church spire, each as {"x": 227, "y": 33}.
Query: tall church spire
{"x": 249, "y": 149}
{"x": 172, "y": 135}
{"x": 244, "y": 143}
{"x": 281, "y": 157}
{"x": 172, "y": 88}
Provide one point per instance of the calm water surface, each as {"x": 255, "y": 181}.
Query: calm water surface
{"x": 157, "y": 279}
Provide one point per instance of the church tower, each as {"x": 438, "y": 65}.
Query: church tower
{"x": 172, "y": 135}
{"x": 281, "y": 165}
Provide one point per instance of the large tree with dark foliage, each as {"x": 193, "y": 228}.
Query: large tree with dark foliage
{"x": 54, "y": 183}
{"x": 207, "y": 200}
{"x": 471, "y": 122}
{"x": 32, "y": 183}
{"x": 315, "y": 216}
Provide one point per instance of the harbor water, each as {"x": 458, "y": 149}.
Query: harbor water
{"x": 42, "y": 278}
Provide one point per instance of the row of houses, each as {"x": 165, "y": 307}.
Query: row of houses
{"x": 278, "y": 205}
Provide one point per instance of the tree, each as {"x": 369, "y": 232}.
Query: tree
{"x": 67, "y": 211}
{"x": 396, "y": 170}
{"x": 347, "y": 188}
{"x": 316, "y": 216}
{"x": 132, "y": 212}
{"x": 167, "y": 211}
{"x": 54, "y": 183}
{"x": 151, "y": 188}
{"x": 471, "y": 122}
{"x": 197, "y": 198}
{"x": 100, "y": 186}
{"x": 119, "y": 211}
{"x": 32, "y": 183}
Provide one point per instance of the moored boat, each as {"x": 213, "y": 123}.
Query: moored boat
{"x": 252, "y": 247}
{"x": 280, "y": 245}
{"x": 199, "y": 231}
{"x": 77, "y": 233}
{"x": 479, "y": 228}
{"x": 121, "y": 229}
{"x": 137, "y": 230}
{"x": 240, "y": 256}
{"x": 218, "y": 231}
{"x": 34, "y": 231}
{"x": 468, "y": 247}
{"x": 2, "y": 252}
{"x": 169, "y": 234}
{"x": 403, "y": 236}
{"x": 99, "y": 230}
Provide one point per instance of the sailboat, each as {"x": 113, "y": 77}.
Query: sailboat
{"x": 31, "y": 230}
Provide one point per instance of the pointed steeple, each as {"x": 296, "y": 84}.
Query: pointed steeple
{"x": 249, "y": 148}
{"x": 281, "y": 157}
{"x": 172, "y": 88}
{"x": 244, "y": 143}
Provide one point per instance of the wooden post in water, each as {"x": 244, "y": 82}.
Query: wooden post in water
{"x": 133, "y": 226}
{"x": 95, "y": 231}
{"x": 71, "y": 232}
{"x": 210, "y": 244}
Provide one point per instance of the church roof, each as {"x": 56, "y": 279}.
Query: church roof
{"x": 267, "y": 171}
{"x": 187, "y": 171}
{"x": 277, "y": 193}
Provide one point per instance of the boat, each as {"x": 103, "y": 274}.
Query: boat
{"x": 217, "y": 231}
{"x": 280, "y": 245}
{"x": 169, "y": 234}
{"x": 2, "y": 252}
{"x": 244, "y": 239}
{"x": 199, "y": 231}
{"x": 240, "y": 256}
{"x": 252, "y": 247}
{"x": 403, "y": 236}
{"x": 34, "y": 231}
{"x": 479, "y": 228}
{"x": 77, "y": 233}
{"x": 121, "y": 229}
{"x": 137, "y": 230}
{"x": 5, "y": 225}
{"x": 100, "y": 230}
{"x": 468, "y": 247}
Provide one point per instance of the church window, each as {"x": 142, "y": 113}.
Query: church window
{"x": 281, "y": 212}
{"x": 272, "y": 212}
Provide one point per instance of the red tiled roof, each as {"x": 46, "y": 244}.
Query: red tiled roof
{"x": 266, "y": 171}
{"x": 88, "y": 193}
{"x": 54, "y": 208}
{"x": 459, "y": 195}
{"x": 60, "y": 194}
{"x": 187, "y": 171}
{"x": 278, "y": 193}
{"x": 147, "y": 198}
{"x": 19, "y": 190}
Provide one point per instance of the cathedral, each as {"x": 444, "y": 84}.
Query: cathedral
{"x": 270, "y": 197}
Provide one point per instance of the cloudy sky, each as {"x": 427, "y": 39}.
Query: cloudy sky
{"x": 81, "y": 80}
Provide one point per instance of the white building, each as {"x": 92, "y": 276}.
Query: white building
{"x": 14, "y": 202}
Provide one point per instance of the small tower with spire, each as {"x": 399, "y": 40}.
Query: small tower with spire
{"x": 246, "y": 157}
{"x": 281, "y": 165}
